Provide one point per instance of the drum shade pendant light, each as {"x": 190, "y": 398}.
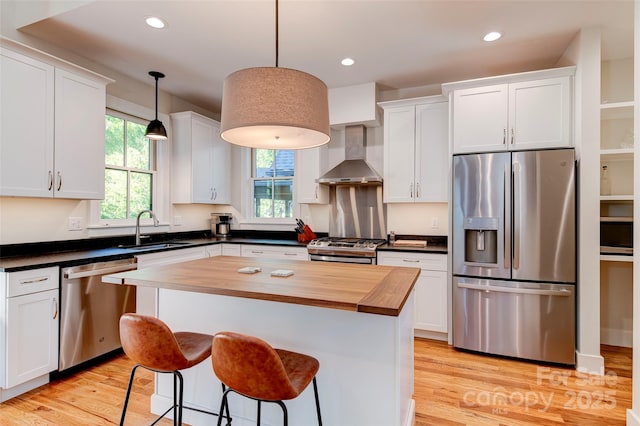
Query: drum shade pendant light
{"x": 274, "y": 108}
{"x": 155, "y": 129}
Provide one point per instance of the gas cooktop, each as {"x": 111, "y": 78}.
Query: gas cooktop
{"x": 354, "y": 246}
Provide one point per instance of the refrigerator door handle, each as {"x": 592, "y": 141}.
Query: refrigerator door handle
{"x": 516, "y": 215}
{"x": 507, "y": 217}
{"x": 489, "y": 288}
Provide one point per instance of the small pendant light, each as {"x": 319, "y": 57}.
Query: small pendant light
{"x": 155, "y": 129}
{"x": 274, "y": 108}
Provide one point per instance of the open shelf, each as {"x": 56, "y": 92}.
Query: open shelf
{"x": 616, "y": 197}
{"x": 616, "y": 219}
{"x": 617, "y": 154}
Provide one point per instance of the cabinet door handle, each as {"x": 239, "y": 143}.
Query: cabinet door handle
{"x": 411, "y": 260}
{"x": 411, "y": 190}
{"x": 316, "y": 192}
{"x": 290, "y": 254}
{"x": 417, "y": 190}
{"x": 512, "y": 135}
{"x": 59, "y": 181}
{"x": 55, "y": 308}
{"x": 504, "y": 136}
{"x": 50, "y": 180}
{"x": 211, "y": 193}
{"x": 256, "y": 252}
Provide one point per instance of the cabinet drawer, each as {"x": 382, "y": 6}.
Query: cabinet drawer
{"x": 32, "y": 281}
{"x": 293, "y": 253}
{"x": 426, "y": 261}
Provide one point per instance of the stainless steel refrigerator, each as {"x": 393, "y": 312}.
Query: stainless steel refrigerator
{"x": 514, "y": 254}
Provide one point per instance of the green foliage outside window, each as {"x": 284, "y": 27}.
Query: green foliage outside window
{"x": 129, "y": 169}
{"x": 273, "y": 172}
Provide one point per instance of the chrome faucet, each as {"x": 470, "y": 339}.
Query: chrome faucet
{"x": 155, "y": 223}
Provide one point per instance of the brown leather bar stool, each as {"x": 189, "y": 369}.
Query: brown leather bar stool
{"x": 150, "y": 343}
{"x": 251, "y": 367}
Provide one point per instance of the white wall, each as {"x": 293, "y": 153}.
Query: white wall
{"x": 633, "y": 415}
{"x": 584, "y": 51}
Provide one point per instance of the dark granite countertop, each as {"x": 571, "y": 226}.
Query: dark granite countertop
{"x": 435, "y": 244}
{"x": 71, "y": 253}
{"x": 18, "y": 257}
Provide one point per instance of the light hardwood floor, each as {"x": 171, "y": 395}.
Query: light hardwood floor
{"x": 451, "y": 388}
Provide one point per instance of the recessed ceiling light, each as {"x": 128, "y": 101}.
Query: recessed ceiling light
{"x": 347, "y": 62}
{"x": 155, "y": 22}
{"x": 492, "y": 36}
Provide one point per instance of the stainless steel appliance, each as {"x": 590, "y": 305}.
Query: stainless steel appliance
{"x": 616, "y": 236}
{"x": 514, "y": 254}
{"x": 344, "y": 250}
{"x": 221, "y": 224}
{"x": 90, "y": 311}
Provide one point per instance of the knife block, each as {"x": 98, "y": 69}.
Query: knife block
{"x": 307, "y": 235}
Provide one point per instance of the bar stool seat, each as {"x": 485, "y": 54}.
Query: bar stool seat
{"x": 250, "y": 367}
{"x": 150, "y": 343}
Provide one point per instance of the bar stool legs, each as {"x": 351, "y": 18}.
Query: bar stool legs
{"x": 178, "y": 388}
{"x": 224, "y": 405}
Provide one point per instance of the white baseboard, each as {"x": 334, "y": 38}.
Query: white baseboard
{"x": 587, "y": 363}
{"x": 411, "y": 415}
{"x": 616, "y": 337}
{"x": 433, "y": 335}
{"x": 7, "y": 394}
{"x": 633, "y": 419}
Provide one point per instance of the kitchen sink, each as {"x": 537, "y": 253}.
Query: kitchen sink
{"x": 156, "y": 246}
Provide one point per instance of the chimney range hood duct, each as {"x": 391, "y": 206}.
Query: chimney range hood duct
{"x": 354, "y": 169}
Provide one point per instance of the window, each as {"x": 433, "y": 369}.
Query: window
{"x": 130, "y": 167}
{"x": 272, "y": 183}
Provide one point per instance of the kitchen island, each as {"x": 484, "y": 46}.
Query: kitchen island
{"x": 357, "y": 320}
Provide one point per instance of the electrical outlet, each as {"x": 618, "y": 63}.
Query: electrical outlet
{"x": 75, "y": 224}
{"x": 434, "y": 223}
{"x": 177, "y": 221}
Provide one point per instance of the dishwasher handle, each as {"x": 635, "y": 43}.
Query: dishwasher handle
{"x": 101, "y": 271}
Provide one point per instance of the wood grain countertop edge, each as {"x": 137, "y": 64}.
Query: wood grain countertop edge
{"x": 393, "y": 291}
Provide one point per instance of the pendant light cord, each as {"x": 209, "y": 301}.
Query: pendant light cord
{"x": 277, "y": 53}
{"x": 156, "y": 77}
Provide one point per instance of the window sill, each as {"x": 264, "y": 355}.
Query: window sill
{"x": 267, "y": 225}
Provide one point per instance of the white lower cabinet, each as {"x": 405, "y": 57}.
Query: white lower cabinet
{"x": 29, "y": 331}
{"x": 431, "y": 288}
{"x": 275, "y": 252}
{"x": 231, "y": 249}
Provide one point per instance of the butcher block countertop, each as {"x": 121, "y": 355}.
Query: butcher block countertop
{"x": 372, "y": 289}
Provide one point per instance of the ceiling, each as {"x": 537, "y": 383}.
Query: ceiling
{"x": 398, "y": 44}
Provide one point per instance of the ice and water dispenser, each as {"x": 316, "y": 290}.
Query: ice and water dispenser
{"x": 481, "y": 240}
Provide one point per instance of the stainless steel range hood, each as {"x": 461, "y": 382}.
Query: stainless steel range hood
{"x": 354, "y": 169}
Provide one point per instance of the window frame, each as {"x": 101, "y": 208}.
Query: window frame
{"x": 246, "y": 218}
{"x": 160, "y": 181}
{"x": 153, "y": 170}
{"x": 273, "y": 179}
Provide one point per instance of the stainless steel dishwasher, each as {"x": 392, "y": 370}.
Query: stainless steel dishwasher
{"x": 90, "y": 311}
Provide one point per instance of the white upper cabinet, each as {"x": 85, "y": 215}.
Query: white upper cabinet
{"x": 200, "y": 163}
{"x": 480, "y": 119}
{"x": 416, "y": 150}
{"x": 525, "y": 111}
{"x": 308, "y": 168}
{"x": 79, "y": 137}
{"x": 52, "y": 136}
